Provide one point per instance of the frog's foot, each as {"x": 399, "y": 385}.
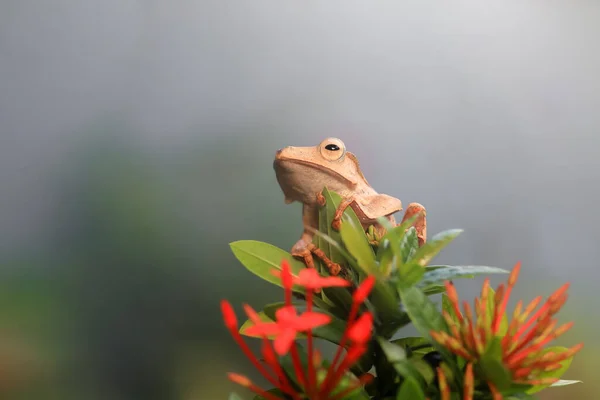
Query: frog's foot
{"x": 333, "y": 268}
{"x": 305, "y": 255}
{"x": 300, "y": 250}
{"x": 420, "y": 223}
{"x": 321, "y": 201}
{"x": 336, "y": 223}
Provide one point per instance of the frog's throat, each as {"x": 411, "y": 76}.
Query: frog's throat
{"x": 328, "y": 171}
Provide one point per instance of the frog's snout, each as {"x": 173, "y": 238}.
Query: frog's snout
{"x": 279, "y": 153}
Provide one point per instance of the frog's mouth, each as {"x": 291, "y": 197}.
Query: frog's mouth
{"x": 287, "y": 163}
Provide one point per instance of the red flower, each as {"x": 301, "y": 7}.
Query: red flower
{"x": 310, "y": 279}
{"x": 288, "y": 323}
{"x": 522, "y": 341}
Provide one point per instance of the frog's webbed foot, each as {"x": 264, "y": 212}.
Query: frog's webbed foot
{"x": 336, "y": 223}
{"x": 333, "y": 268}
{"x": 301, "y": 250}
{"x": 420, "y": 223}
{"x": 305, "y": 251}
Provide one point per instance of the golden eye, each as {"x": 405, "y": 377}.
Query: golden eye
{"x": 332, "y": 149}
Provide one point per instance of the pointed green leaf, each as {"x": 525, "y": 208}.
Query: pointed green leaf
{"x": 414, "y": 345}
{"x": 332, "y": 202}
{"x": 326, "y": 237}
{"x": 342, "y": 299}
{"x": 441, "y": 273}
{"x": 355, "y": 240}
{"x": 564, "y": 365}
{"x": 434, "y": 289}
{"x": 432, "y": 247}
{"x": 389, "y": 252}
{"x": 396, "y": 356}
{"x": 347, "y": 257}
{"x": 409, "y": 245}
{"x": 409, "y": 274}
{"x": 426, "y": 318}
{"x": 564, "y": 382}
{"x": 423, "y": 313}
{"x": 410, "y": 389}
{"x": 261, "y": 258}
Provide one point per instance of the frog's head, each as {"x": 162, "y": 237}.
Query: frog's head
{"x": 306, "y": 170}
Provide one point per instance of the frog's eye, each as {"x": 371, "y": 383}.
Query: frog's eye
{"x": 332, "y": 149}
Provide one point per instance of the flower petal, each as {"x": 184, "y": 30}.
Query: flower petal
{"x": 284, "y": 341}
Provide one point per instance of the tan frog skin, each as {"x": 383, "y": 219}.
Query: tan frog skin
{"x": 302, "y": 172}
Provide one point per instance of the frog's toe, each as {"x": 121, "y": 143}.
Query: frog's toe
{"x": 336, "y": 223}
{"x": 321, "y": 201}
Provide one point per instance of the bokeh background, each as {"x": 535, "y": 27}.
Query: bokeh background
{"x": 137, "y": 139}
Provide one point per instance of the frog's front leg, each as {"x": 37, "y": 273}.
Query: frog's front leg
{"x": 336, "y": 223}
{"x": 304, "y": 248}
{"x": 420, "y": 222}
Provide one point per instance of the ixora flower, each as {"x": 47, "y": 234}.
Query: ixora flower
{"x": 316, "y": 382}
{"x": 518, "y": 345}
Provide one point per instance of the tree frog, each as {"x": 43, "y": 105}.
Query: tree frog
{"x": 302, "y": 172}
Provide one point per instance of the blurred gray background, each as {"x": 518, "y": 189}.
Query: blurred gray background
{"x": 137, "y": 139}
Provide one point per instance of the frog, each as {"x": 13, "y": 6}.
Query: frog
{"x": 303, "y": 172}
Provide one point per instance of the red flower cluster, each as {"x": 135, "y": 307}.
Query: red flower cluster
{"x": 522, "y": 339}
{"x": 284, "y": 330}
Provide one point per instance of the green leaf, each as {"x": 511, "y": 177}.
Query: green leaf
{"x": 261, "y": 258}
{"x": 440, "y": 273}
{"x": 426, "y": 318}
{"x": 491, "y": 366}
{"x": 564, "y": 365}
{"x": 410, "y": 389}
{"x": 386, "y": 258}
{"x": 434, "y": 289}
{"x": 355, "y": 240}
{"x": 396, "y": 356}
{"x": 389, "y": 252}
{"x": 347, "y": 256}
{"x": 234, "y": 396}
{"x": 564, "y": 382}
{"x": 422, "y": 311}
{"x": 432, "y": 247}
{"x": 409, "y": 274}
{"x": 414, "y": 345}
{"x": 409, "y": 245}
{"x": 341, "y": 297}
{"x": 326, "y": 215}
